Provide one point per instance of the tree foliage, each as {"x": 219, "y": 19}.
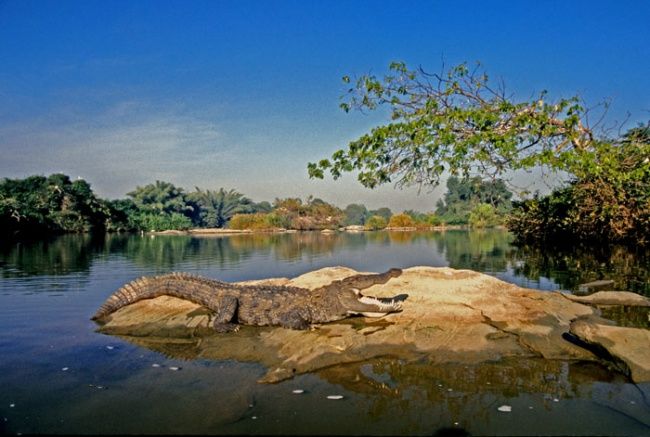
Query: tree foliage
{"x": 457, "y": 122}
{"x": 384, "y": 212}
{"x": 215, "y": 208}
{"x": 160, "y": 197}
{"x": 454, "y": 122}
{"x": 402, "y": 220}
{"x": 39, "y": 204}
{"x": 611, "y": 204}
{"x": 483, "y": 215}
{"x": 355, "y": 214}
{"x": 463, "y": 195}
{"x": 376, "y": 222}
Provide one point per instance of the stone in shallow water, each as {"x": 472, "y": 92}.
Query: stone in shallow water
{"x": 630, "y": 346}
{"x": 612, "y": 298}
{"x": 590, "y": 287}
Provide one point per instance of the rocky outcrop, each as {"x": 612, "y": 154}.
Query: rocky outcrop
{"x": 627, "y": 348}
{"x": 450, "y": 316}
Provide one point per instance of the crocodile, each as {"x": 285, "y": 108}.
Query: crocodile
{"x": 233, "y": 305}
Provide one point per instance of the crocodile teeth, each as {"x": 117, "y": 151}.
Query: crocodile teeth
{"x": 383, "y": 307}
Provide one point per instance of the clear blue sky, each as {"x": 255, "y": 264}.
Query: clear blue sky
{"x": 242, "y": 94}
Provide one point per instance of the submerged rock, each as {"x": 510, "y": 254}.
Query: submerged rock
{"x": 450, "y": 316}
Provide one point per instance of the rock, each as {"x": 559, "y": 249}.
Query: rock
{"x": 590, "y": 287}
{"x": 450, "y": 315}
{"x": 630, "y": 346}
{"x": 611, "y": 298}
{"x": 354, "y": 228}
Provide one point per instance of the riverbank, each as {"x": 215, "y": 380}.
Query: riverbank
{"x": 355, "y": 228}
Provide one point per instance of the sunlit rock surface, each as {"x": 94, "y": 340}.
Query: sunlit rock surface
{"x": 450, "y": 316}
{"x": 629, "y": 345}
{"x": 612, "y": 298}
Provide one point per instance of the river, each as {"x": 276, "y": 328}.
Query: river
{"x": 59, "y": 376}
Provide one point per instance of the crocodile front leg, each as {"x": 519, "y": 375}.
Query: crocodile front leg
{"x": 293, "y": 319}
{"x": 225, "y": 314}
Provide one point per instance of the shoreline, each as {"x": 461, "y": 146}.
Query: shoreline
{"x": 349, "y": 229}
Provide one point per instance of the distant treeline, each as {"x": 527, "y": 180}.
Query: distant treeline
{"x": 39, "y": 205}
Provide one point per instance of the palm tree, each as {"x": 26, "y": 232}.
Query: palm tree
{"x": 216, "y": 208}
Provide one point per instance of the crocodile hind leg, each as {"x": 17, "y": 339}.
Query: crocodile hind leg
{"x": 225, "y": 314}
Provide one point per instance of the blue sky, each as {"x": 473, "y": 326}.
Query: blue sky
{"x": 242, "y": 94}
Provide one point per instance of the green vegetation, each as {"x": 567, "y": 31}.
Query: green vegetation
{"x": 612, "y": 204}
{"x": 464, "y": 195}
{"x": 483, "y": 215}
{"x": 39, "y": 205}
{"x": 256, "y": 221}
{"x": 357, "y": 214}
{"x": 457, "y": 123}
{"x": 53, "y": 204}
{"x": 401, "y": 221}
{"x": 375, "y": 223}
{"x": 213, "y": 209}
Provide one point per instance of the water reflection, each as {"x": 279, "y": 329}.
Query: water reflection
{"x": 629, "y": 268}
{"x": 54, "y": 256}
{"x": 473, "y": 392}
{"x": 489, "y": 251}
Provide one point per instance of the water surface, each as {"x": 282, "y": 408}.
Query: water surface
{"x": 59, "y": 376}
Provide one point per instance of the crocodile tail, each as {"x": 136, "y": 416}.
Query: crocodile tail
{"x": 134, "y": 291}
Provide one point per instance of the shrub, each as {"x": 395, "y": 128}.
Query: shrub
{"x": 254, "y": 221}
{"x": 376, "y": 222}
{"x": 401, "y": 221}
{"x": 161, "y": 222}
{"x": 483, "y": 215}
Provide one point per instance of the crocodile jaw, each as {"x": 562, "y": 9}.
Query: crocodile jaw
{"x": 370, "y": 306}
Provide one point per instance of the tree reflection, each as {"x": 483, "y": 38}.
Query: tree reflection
{"x": 490, "y": 251}
{"x": 570, "y": 267}
{"x": 53, "y": 256}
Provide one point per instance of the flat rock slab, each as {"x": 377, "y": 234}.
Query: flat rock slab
{"x": 590, "y": 287}
{"x": 629, "y": 345}
{"x": 450, "y": 316}
{"x": 612, "y": 298}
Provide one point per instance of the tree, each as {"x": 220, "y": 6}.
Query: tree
{"x": 376, "y": 222}
{"x": 456, "y": 122}
{"x": 384, "y": 212}
{"x": 216, "y": 208}
{"x": 483, "y": 215}
{"x": 612, "y": 204}
{"x": 161, "y": 197}
{"x": 355, "y": 214}
{"x": 55, "y": 204}
{"x": 463, "y": 195}
{"x": 402, "y": 220}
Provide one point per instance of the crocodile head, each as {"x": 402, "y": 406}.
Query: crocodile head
{"x": 369, "y": 306}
